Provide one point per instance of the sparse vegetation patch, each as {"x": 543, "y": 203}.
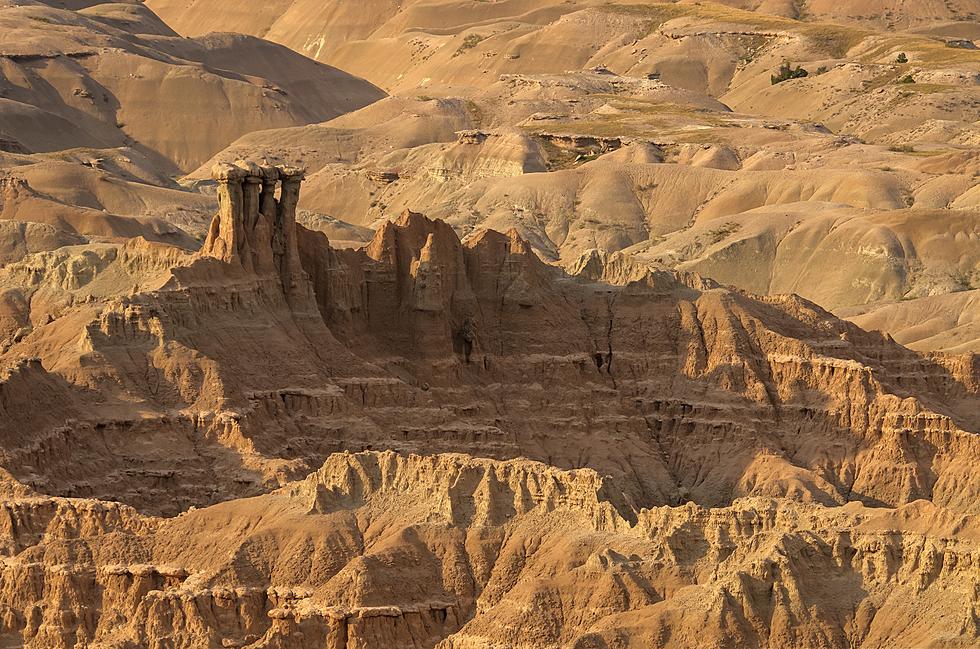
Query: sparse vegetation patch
{"x": 786, "y": 72}
{"x": 469, "y": 42}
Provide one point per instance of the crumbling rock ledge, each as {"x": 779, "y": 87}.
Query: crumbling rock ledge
{"x": 463, "y": 490}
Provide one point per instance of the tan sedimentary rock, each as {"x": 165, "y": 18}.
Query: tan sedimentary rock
{"x": 252, "y": 223}
{"x": 451, "y": 551}
{"x": 443, "y": 442}
{"x": 666, "y": 459}
{"x": 683, "y": 369}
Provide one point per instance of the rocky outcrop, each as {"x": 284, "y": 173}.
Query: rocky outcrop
{"x": 253, "y": 229}
{"x": 629, "y": 450}
{"x": 405, "y": 551}
{"x": 416, "y": 290}
{"x": 460, "y": 489}
{"x": 481, "y": 154}
{"x": 278, "y": 350}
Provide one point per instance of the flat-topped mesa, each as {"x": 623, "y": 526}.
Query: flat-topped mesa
{"x": 253, "y": 228}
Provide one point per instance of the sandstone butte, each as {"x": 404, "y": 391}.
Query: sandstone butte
{"x": 430, "y": 442}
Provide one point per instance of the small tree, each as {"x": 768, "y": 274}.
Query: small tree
{"x": 902, "y": 58}
{"x": 786, "y": 72}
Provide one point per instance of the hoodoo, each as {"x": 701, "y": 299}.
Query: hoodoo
{"x": 253, "y": 228}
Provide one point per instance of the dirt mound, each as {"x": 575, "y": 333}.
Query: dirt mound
{"x": 942, "y": 322}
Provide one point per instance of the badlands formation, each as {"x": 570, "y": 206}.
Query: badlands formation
{"x": 489, "y": 324}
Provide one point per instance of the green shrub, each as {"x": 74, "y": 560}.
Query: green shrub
{"x": 902, "y": 58}
{"x": 786, "y": 72}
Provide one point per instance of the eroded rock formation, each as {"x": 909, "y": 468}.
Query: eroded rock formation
{"x": 386, "y": 550}
{"x": 254, "y": 228}
{"x": 286, "y": 423}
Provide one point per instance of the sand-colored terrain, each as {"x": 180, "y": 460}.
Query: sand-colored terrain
{"x": 114, "y": 75}
{"x": 543, "y": 118}
{"x": 679, "y": 442}
{"x": 512, "y": 324}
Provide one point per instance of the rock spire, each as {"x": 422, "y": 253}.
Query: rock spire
{"x": 253, "y": 227}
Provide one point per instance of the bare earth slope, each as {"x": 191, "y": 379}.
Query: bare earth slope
{"x": 656, "y": 130}
{"x": 771, "y": 207}
{"x": 88, "y": 78}
{"x": 324, "y": 28}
